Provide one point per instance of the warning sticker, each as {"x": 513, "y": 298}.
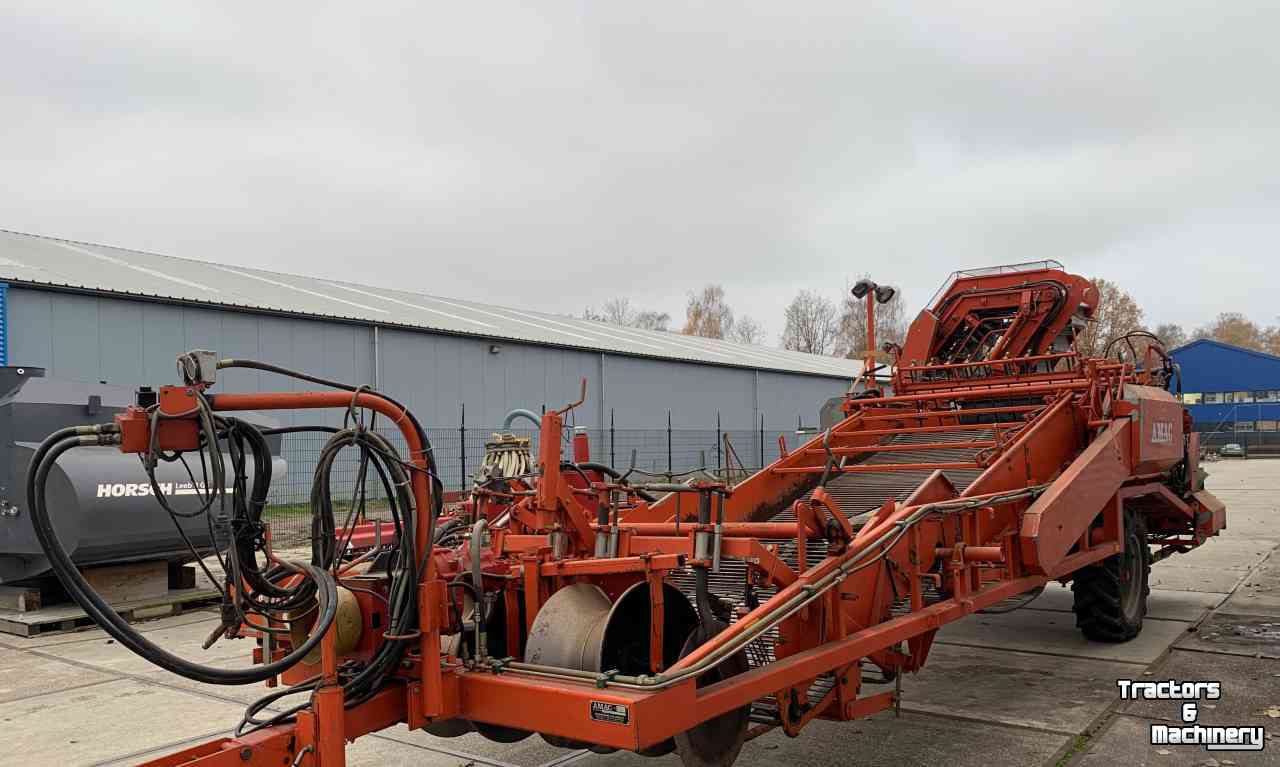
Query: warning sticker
{"x": 614, "y": 713}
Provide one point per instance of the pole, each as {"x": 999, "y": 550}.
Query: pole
{"x": 718, "y": 463}
{"x": 462, "y": 447}
{"x": 377, "y": 359}
{"x": 762, "y": 464}
{"x": 602, "y": 395}
{"x": 870, "y": 363}
{"x": 613, "y": 455}
{"x": 670, "y": 466}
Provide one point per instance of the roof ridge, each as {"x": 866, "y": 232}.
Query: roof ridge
{"x": 810, "y": 364}
{"x": 1215, "y": 342}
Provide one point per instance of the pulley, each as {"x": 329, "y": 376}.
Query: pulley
{"x": 349, "y": 623}
{"x": 580, "y": 628}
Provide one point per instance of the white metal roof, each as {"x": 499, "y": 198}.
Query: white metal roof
{"x": 35, "y": 260}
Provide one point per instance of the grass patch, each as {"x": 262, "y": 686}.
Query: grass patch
{"x": 1078, "y": 745}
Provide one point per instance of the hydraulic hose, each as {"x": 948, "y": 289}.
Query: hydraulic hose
{"x": 43, "y": 461}
{"x": 613, "y": 473}
{"x": 520, "y": 413}
{"x": 437, "y": 488}
{"x": 477, "y": 581}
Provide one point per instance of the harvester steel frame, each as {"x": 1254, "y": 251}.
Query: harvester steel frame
{"x": 1063, "y": 448}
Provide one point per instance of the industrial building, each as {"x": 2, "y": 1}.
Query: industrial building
{"x": 1233, "y": 394}
{"x": 87, "y": 312}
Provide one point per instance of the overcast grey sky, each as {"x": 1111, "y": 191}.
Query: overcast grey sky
{"x": 552, "y": 155}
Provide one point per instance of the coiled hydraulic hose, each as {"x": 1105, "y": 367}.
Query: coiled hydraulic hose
{"x": 42, "y": 462}
{"x": 437, "y": 487}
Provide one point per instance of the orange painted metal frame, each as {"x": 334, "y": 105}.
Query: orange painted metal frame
{"x": 1048, "y": 501}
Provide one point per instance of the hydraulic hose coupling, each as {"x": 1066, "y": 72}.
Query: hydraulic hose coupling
{"x": 559, "y": 543}
{"x": 606, "y": 525}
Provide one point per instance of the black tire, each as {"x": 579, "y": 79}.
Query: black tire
{"x": 717, "y": 741}
{"x": 1111, "y": 596}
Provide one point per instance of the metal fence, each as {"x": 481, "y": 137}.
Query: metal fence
{"x": 459, "y": 453}
{"x": 1253, "y": 441}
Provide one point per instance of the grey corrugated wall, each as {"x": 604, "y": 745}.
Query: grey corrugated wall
{"x": 121, "y": 341}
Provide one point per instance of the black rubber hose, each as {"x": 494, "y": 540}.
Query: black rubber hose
{"x": 269, "y": 368}
{"x": 373, "y": 449}
{"x": 299, "y": 430}
{"x": 49, "y": 452}
{"x": 402, "y": 604}
{"x": 67, "y": 431}
{"x": 246, "y": 524}
{"x": 615, "y": 474}
{"x": 437, "y": 487}
{"x": 402, "y": 589}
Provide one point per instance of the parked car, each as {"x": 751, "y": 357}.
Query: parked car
{"x": 1233, "y": 450}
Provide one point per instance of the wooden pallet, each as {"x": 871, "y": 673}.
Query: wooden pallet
{"x": 69, "y": 617}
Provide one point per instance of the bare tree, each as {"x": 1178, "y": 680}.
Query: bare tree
{"x": 707, "y": 314}
{"x": 1271, "y": 340}
{"x": 1117, "y": 313}
{"x": 811, "y": 324}
{"x": 851, "y": 335}
{"x": 1171, "y": 335}
{"x": 618, "y": 311}
{"x": 652, "y": 321}
{"x": 1235, "y": 329}
{"x": 746, "y": 330}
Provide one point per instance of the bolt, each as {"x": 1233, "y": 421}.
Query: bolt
{"x": 246, "y": 754}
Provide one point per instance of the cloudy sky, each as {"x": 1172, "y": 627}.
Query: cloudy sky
{"x": 552, "y": 155}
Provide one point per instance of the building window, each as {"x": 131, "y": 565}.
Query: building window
{"x": 1267, "y": 425}
{"x": 1212, "y": 398}
{"x": 1244, "y": 396}
{"x": 1228, "y": 397}
{"x": 1191, "y": 398}
{"x": 1266, "y": 395}
{"x": 1244, "y": 425}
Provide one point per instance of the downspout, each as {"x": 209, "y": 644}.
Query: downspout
{"x": 755, "y": 400}
{"x": 602, "y": 410}
{"x": 377, "y": 358}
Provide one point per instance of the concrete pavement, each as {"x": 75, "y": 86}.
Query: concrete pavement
{"x": 1021, "y": 688}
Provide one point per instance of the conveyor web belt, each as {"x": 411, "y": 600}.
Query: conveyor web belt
{"x": 857, "y": 495}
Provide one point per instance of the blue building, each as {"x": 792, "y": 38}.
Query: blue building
{"x": 1233, "y": 393}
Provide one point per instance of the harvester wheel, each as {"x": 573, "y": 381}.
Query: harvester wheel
{"x": 717, "y": 741}
{"x": 1111, "y": 596}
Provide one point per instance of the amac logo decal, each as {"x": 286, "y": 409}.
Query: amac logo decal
{"x": 1161, "y": 432}
{"x": 613, "y": 713}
